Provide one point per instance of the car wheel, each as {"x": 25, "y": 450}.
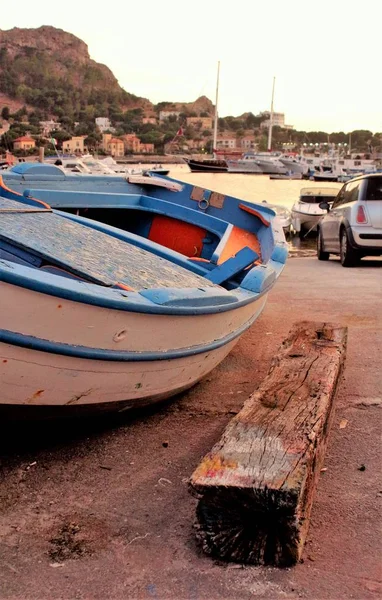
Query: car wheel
{"x": 348, "y": 256}
{"x": 321, "y": 255}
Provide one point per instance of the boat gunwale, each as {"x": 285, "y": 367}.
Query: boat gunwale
{"x": 117, "y": 299}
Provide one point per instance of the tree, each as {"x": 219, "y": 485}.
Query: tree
{"x": 92, "y": 140}
{"x": 60, "y": 136}
{"x": 5, "y": 113}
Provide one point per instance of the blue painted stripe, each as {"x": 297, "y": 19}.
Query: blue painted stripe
{"x": 41, "y": 345}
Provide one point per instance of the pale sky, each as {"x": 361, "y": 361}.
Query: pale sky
{"x": 326, "y": 55}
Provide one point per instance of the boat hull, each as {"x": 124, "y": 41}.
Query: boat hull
{"x": 34, "y": 378}
{"x": 207, "y": 166}
{"x": 241, "y": 166}
{"x": 304, "y": 222}
{"x": 58, "y": 352}
{"x": 325, "y": 177}
{"x": 290, "y": 176}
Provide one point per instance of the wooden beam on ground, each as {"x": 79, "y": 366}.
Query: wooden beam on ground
{"x": 256, "y": 486}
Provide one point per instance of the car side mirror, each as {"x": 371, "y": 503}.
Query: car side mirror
{"x": 324, "y": 205}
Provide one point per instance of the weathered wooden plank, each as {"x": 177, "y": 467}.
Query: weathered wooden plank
{"x": 256, "y": 486}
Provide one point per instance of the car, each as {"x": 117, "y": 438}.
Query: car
{"x": 352, "y": 225}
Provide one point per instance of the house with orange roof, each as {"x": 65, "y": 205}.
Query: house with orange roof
{"x": 112, "y": 145}
{"x": 24, "y": 142}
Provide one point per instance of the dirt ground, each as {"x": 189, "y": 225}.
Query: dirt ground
{"x": 100, "y": 508}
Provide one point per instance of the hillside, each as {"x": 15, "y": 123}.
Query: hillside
{"x": 50, "y": 69}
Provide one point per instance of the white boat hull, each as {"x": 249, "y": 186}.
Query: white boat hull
{"x": 58, "y": 352}
{"x": 30, "y": 377}
{"x": 305, "y": 217}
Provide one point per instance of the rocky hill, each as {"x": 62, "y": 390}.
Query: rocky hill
{"x": 51, "y": 69}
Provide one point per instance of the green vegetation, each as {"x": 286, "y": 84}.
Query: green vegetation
{"x": 75, "y": 93}
{"x": 81, "y": 90}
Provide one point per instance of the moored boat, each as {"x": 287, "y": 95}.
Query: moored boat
{"x": 306, "y": 212}
{"x": 207, "y": 165}
{"x": 287, "y": 176}
{"x": 284, "y": 216}
{"x": 92, "y": 315}
{"x": 257, "y": 162}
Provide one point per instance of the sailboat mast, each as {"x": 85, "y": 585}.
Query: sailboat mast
{"x": 271, "y": 118}
{"x": 214, "y": 143}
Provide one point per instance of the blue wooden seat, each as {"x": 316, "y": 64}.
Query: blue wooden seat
{"x": 232, "y": 266}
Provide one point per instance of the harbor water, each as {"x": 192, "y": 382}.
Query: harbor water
{"x": 253, "y": 188}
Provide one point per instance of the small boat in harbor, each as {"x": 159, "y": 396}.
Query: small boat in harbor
{"x": 88, "y": 165}
{"x": 133, "y": 305}
{"x": 306, "y": 212}
{"x": 287, "y": 176}
{"x": 284, "y": 216}
{"x": 257, "y": 162}
{"x": 207, "y": 165}
{"x": 326, "y": 174}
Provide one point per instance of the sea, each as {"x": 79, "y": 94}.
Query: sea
{"x": 253, "y": 188}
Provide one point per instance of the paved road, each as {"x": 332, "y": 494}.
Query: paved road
{"x": 100, "y": 509}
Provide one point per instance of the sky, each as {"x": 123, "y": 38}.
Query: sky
{"x": 326, "y": 56}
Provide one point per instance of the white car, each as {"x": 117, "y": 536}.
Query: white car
{"x": 352, "y": 226}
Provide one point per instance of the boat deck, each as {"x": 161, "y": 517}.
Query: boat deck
{"x": 88, "y": 253}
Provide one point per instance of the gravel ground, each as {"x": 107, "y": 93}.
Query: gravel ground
{"x": 100, "y": 508}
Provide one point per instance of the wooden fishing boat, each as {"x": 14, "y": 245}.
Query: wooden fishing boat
{"x": 92, "y": 315}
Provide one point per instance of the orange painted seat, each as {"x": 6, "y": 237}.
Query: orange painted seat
{"x": 176, "y": 235}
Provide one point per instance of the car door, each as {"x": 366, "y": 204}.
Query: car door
{"x": 329, "y": 225}
{"x": 343, "y": 212}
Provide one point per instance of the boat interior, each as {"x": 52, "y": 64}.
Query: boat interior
{"x": 317, "y": 195}
{"x": 172, "y": 244}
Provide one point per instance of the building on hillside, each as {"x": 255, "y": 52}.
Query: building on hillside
{"x": 146, "y": 148}
{"x": 48, "y": 126}
{"x": 165, "y": 114}
{"x": 104, "y": 124}
{"x": 75, "y": 145}
{"x": 112, "y": 145}
{"x": 226, "y": 142}
{"x": 133, "y": 144}
{"x": 247, "y": 142}
{"x": 277, "y": 121}
{"x": 196, "y": 144}
{"x": 151, "y": 120}
{"x": 200, "y": 122}
{"x": 25, "y": 142}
